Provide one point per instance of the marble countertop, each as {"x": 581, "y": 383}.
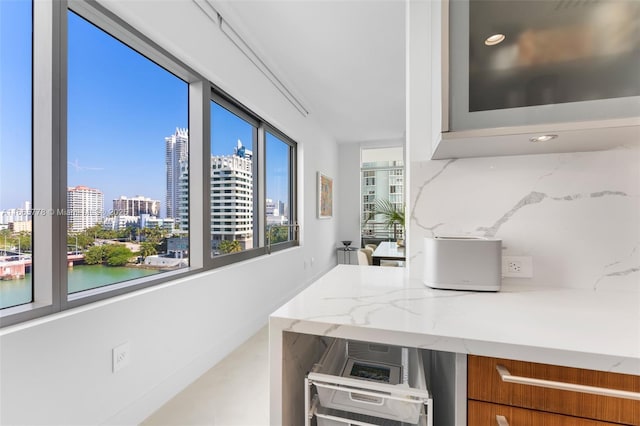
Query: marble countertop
{"x": 572, "y": 327}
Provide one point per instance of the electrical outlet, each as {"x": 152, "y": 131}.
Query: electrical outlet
{"x": 121, "y": 356}
{"x": 514, "y": 266}
{"x": 517, "y": 266}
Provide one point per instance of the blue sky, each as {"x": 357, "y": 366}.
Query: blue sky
{"x": 121, "y": 106}
{"x": 15, "y": 103}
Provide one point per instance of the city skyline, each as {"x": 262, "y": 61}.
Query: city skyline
{"x": 116, "y": 129}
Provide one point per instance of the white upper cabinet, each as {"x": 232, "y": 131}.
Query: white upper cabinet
{"x": 511, "y": 71}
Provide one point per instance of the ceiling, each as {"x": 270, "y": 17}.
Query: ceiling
{"x": 344, "y": 60}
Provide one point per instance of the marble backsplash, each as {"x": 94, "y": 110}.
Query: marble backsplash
{"x": 576, "y": 214}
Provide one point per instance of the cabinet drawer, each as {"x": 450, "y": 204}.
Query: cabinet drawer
{"x": 485, "y": 384}
{"x": 486, "y": 414}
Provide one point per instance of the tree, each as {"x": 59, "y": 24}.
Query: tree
{"x": 278, "y": 234}
{"x": 153, "y": 235}
{"x": 392, "y": 215}
{"x": 111, "y": 255}
{"x": 94, "y": 256}
{"x": 147, "y": 249}
{"x": 117, "y": 255}
{"x": 131, "y": 232}
{"x": 85, "y": 240}
{"x": 226, "y": 247}
{"x": 24, "y": 241}
{"x": 5, "y": 237}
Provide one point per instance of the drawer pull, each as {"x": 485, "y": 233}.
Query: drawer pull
{"x": 594, "y": 390}
{"x": 366, "y": 399}
{"x": 502, "y": 421}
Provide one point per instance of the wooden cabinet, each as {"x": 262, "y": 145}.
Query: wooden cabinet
{"x": 485, "y": 384}
{"x": 484, "y": 413}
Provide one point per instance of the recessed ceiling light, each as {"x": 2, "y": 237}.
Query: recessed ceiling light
{"x": 494, "y": 39}
{"x": 543, "y": 138}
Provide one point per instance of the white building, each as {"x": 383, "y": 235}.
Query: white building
{"x": 382, "y": 180}
{"x": 136, "y": 206}
{"x": 232, "y": 198}
{"x": 118, "y": 222}
{"x": 167, "y": 223}
{"x": 22, "y": 214}
{"x": 85, "y": 207}
{"x": 274, "y": 210}
{"x": 271, "y": 207}
{"x": 176, "y": 151}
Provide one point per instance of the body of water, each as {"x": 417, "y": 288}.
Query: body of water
{"x": 81, "y": 277}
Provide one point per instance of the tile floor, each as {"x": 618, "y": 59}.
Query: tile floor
{"x": 235, "y": 392}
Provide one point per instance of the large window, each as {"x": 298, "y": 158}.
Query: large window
{"x": 16, "y": 261}
{"x": 233, "y": 182}
{"x": 128, "y": 153}
{"x": 382, "y": 192}
{"x": 131, "y": 168}
{"x": 252, "y": 204}
{"x": 280, "y": 222}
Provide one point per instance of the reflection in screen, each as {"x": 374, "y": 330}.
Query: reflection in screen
{"x": 554, "y": 51}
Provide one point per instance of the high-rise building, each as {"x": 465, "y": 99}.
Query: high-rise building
{"x": 275, "y": 208}
{"x": 85, "y": 207}
{"x": 271, "y": 208}
{"x": 182, "y": 215}
{"x": 176, "y": 151}
{"x": 22, "y": 214}
{"x": 136, "y": 206}
{"x": 232, "y": 197}
{"x": 381, "y": 180}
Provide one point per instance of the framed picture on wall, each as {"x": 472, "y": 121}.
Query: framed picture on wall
{"x": 325, "y": 196}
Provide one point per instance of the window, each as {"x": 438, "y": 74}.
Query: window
{"x": 16, "y": 261}
{"x": 280, "y": 222}
{"x": 134, "y": 187}
{"x": 252, "y": 188}
{"x": 382, "y": 182}
{"x": 127, "y": 149}
{"x": 232, "y": 160}
{"x": 369, "y": 178}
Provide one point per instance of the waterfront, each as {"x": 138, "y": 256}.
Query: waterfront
{"x": 81, "y": 277}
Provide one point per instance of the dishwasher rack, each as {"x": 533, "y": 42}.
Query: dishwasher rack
{"x": 396, "y": 396}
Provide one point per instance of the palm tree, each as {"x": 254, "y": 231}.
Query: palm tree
{"x": 392, "y": 215}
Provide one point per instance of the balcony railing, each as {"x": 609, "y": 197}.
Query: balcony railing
{"x": 375, "y": 232}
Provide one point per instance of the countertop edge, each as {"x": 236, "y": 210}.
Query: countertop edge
{"x": 469, "y": 346}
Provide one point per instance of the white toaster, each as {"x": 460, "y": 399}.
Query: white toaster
{"x": 463, "y": 263}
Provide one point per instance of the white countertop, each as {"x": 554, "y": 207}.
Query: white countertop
{"x": 580, "y": 328}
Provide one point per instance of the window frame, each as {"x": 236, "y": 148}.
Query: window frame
{"x": 293, "y": 191}
{"x": 117, "y": 28}
{"x": 49, "y": 159}
{"x": 261, "y": 127}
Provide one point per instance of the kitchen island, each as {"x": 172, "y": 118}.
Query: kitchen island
{"x": 567, "y": 327}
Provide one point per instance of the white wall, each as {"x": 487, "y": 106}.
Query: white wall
{"x": 348, "y": 186}
{"x": 577, "y": 214}
{"x": 57, "y": 370}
